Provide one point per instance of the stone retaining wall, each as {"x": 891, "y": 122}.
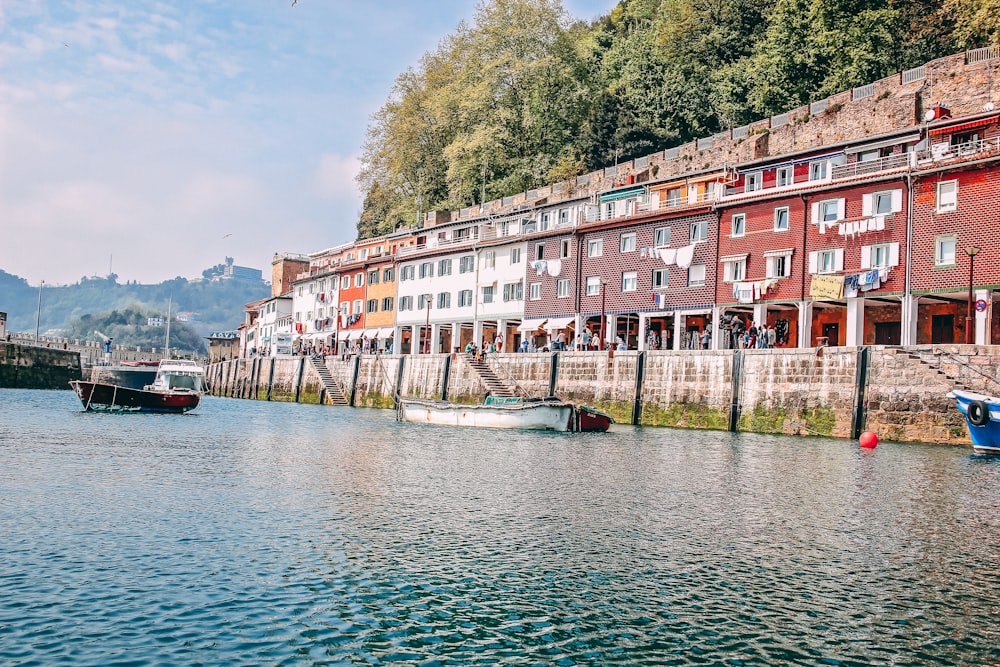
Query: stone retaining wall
{"x": 800, "y": 391}
{"x": 30, "y": 367}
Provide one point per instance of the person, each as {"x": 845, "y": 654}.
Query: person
{"x": 586, "y": 338}
{"x": 469, "y": 347}
{"x": 772, "y": 336}
{"x": 498, "y": 342}
{"x": 706, "y": 339}
{"x": 561, "y": 340}
{"x": 619, "y": 343}
{"x": 524, "y": 345}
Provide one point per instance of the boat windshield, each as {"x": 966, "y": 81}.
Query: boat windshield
{"x": 192, "y": 382}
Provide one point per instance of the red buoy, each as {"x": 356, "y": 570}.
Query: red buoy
{"x": 868, "y": 440}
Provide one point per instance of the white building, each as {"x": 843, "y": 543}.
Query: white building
{"x": 314, "y": 300}
{"x": 274, "y": 326}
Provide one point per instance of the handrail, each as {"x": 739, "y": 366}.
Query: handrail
{"x": 509, "y": 379}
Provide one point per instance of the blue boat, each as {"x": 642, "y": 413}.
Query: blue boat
{"x": 982, "y": 415}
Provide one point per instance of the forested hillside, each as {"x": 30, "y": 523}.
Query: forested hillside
{"x": 213, "y": 305}
{"x": 524, "y": 96}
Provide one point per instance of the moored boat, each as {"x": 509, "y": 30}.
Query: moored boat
{"x": 177, "y": 388}
{"x": 131, "y": 374}
{"x": 982, "y": 416}
{"x": 550, "y": 414}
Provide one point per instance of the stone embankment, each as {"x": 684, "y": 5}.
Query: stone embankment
{"x": 31, "y": 367}
{"x": 899, "y": 393}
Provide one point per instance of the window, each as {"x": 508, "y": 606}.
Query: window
{"x": 425, "y": 301}
{"x": 535, "y": 291}
{"x": 739, "y": 227}
{"x": 345, "y": 282}
{"x": 388, "y": 275}
{"x": 444, "y": 299}
{"x": 699, "y": 231}
{"x": 543, "y": 222}
{"x": 781, "y": 219}
{"x": 488, "y": 294}
{"x": 444, "y": 267}
{"x": 299, "y": 290}
{"x": 779, "y": 266}
{"x": 595, "y": 247}
{"x": 358, "y": 305}
{"x": 629, "y": 281}
{"x": 660, "y": 278}
{"x": 489, "y": 259}
{"x": 371, "y": 306}
{"x": 829, "y": 211}
{"x": 880, "y": 256}
{"x": 754, "y": 181}
{"x": 826, "y": 261}
{"x": 515, "y": 255}
{"x": 869, "y": 155}
{"x": 406, "y": 303}
{"x": 564, "y": 249}
{"x": 359, "y": 279}
{"x": 661, "y": 237}
{"x": 947, "y": 196}
{"x": 345, "y": 308}
{"x": 784, "y": 176}
{"x": 387, "y": 303}
{"x": 373, "y": 277}
{"x": 628, "y": 242}
{"x": 540, "y": 251}
{"x": 562, "y": 288}
{"x": 817, "y": 170}
{"x": 944, "y": 251}
{"x": 609, "y": 210}
{"x": 407, "y": 272}
{"x": 593, "y": 285}
{"x": 696, "y": 275}
{"x": 467, "y": 264}
{"x": 674, "y": 197}
{"x": 427, "y": 270}
{"x": 513, "y": 291}
{"x": 883, "y": 203}
{"x": 563, "y": 216}
{"x": 464, "y": 298}
{"x": 735, "y": 270}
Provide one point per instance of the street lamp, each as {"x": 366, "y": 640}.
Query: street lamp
{"x": 971, "y": 251}
{"x": 604, "y": 321}
{"x": 427, "y": 327}
{"x": 38, "y": 312}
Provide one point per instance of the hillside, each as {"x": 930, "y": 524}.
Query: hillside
{"x": 523, "y": 96}
{"x": 213, "y": 305}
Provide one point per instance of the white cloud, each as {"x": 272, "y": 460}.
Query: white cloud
{"x": 334, "y": 177}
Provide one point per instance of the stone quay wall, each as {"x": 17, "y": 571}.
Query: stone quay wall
{"x": 899, "y": 393}
{"x": 31, "y": 367}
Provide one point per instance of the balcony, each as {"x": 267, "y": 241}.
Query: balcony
{"x": 436, "y": 244}
{"x": 946, "y": 151}
{"x": 854, "y": 169}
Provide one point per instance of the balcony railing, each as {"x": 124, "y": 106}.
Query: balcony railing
{"x": 946, "y": 151}
{"x": 871, "y": 166}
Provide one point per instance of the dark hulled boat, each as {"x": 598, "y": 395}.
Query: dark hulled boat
{"x": 176, "y": 389}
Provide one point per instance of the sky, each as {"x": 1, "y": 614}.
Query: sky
{"x": 153, "y": 139}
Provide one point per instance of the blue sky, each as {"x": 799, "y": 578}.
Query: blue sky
{"x": 157, "y": 138}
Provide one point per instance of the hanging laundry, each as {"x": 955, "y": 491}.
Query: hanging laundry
{"x": 851, "y": 286}
{"x": 685, "y": 256}
{"x": 668, "y": 255}
{"x": 555, "y": 267}
{"x": 660, "y": 300}
{"x": 842, "y": 229}
{"x": 879, "y": 223}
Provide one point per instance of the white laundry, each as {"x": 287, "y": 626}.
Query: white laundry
{"x": 555, "y": 267}
{"x": 685, "y": 256}
{"x": 668, "y": 255}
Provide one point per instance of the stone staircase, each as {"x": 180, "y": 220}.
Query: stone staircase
{"x": 334, "y": 394}
{"x": 933, "y": 365}
{"x": 494, "y": 384}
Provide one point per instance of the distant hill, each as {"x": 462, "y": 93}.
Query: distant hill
{"x": 212, "y": 305}
{"x": 137, "y": 326}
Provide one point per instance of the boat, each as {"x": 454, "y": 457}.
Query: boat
{"x": 131, "y": 374}
{"x": 982, "y": 416}
{"x": 177, "y": 388}
{"x": 548, "y": 414}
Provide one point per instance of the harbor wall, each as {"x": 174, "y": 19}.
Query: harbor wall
{"x": 30, "y": 367}
{"x": 899, "y": 393}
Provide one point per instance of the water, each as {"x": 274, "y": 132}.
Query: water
{"x": 253, "y": 533}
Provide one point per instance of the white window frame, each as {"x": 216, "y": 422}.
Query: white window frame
{"x": 358, "y": 307}
{"x": 947, "y": 196}
{"x": 940, "y": 245}
{"x": 784, "y": 176}
{"x": 753, "y": 181}
{"x": 699, "y": 232}
{"x": 427, "y": 270}
{"x": 488, "y": 293}
{"x": 444, "y": 300}
{"x": 345, "y": 282}
{"x": 693, "y": 271}
{"x": 405, "y": 303}
{"x": 564, "y": 248}
{"x": 535, "y": 291}
{"x": 386, "y": 303}
{"x": 467, "y": 264}
{"x": 359, "y": 279}
{"x": 444, "y": 267}
{"x": 464, "y": 298}
{"x": 734, "y": 271}
{"x": 539, "y": 251}
{"x": 407, "y": 272}
{"x": 595, "y": 247}
{"x": 593, "y": 285}
{"x": 738, "y": 225}
{"x": 515, "y": 255}
{"x": 627, "y": 242}
{"x": 819, "y": 170}
{"x": 562, "y": 288}
{"x": 776, "y": 262}
{"x": 829, "y": 260}
{"x": 778, "y": 216}
{"x": 661, "y": 234}
{"x": 490, "y": 259}
{"x": 630, "y": 281}
{"x": 880, "y": 256}
{"x": 660, "y": 279}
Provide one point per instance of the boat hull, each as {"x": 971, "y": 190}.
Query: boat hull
{"x": 103, "y": 397}
{"x": 541, "y": 416}
{"x": 589, "y": 419}
{"x": 985, "y": 436}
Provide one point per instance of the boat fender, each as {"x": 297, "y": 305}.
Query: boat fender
{"x": 979, "y": 414}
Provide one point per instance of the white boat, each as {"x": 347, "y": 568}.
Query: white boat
{"x": 551, "y": 414}
{"x": 177, "y": 389}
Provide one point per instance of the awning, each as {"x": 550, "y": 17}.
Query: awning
{"x": 371, "y": 333}
{"x": 779, "y": 253}
{"x": 532, "y": 325}
{"x": 558, "y": 323}
{"x": 883, "y": 144}
{"x": 631, "y": 192}
{"x": 961, "y": 127}
{"x": 733, "y": 258}
{"x": 348, "y": 334}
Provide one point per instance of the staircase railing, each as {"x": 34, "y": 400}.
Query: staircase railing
{"x": 507, "y": 377}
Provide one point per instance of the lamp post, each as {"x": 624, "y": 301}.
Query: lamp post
{"x": 38, "y": 312}
{"x": 427, "y": 327}
{"x": 604, "y": 321}
{"x": 971, "y": 251}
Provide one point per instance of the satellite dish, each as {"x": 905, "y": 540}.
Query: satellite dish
{"x": 929, "y": 115}
{"x": 988, "y": 107}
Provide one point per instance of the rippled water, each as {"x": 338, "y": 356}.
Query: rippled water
{"x": 253, "y": 533}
